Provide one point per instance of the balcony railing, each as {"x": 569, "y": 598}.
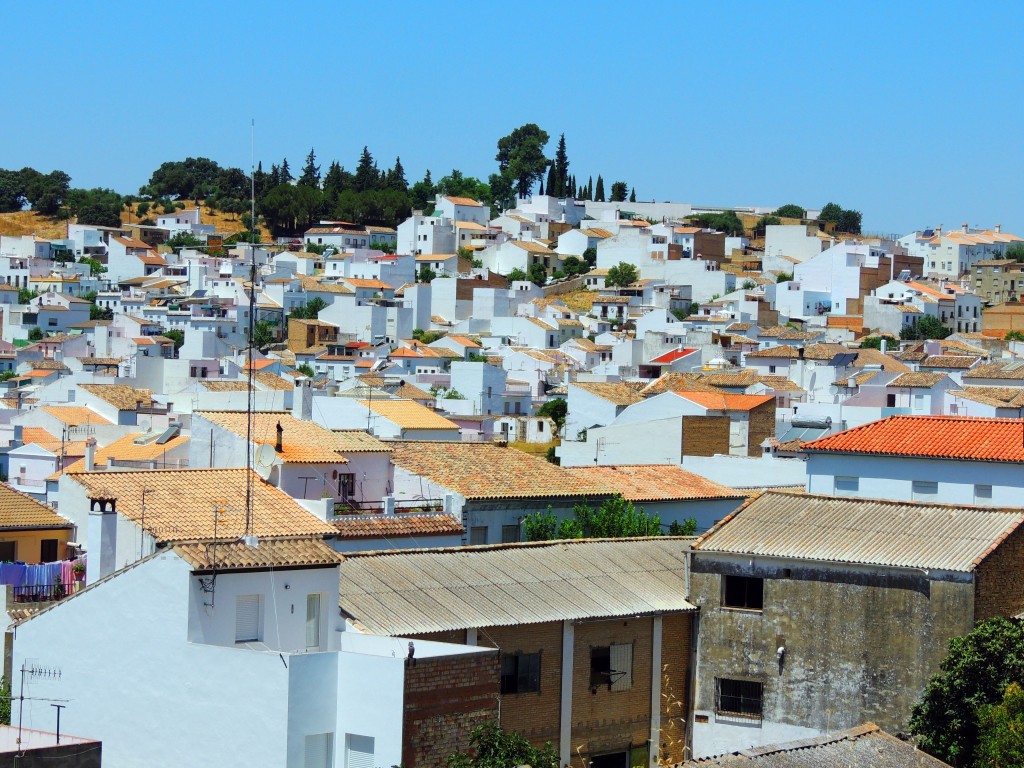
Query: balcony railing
{"x": 403, "y": 507}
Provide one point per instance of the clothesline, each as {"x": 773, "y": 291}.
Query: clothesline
{"x": 38, "y": 576}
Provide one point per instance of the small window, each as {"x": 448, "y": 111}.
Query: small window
{"x": 247, "y": 618}
{"x": 982, "y": 494}
{"x": 738, "y": 697}
{"x": 520, "y": 672}
{"x": 478, "y": 534}
{"x": 743, "y": 592}
{"x": 890, "y": 400}
{"x": 509, "y": 534}
{"x": 48, "y": 551}
{"x": 846, "y": 485}
{"x": 924, "y": 490}
{"x": 8, "y": 551}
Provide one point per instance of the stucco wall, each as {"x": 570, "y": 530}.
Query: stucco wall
{"x": 860, "y": 645}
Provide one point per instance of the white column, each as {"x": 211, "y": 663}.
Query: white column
{"x": 471, "y": 636}
{"x": 655, "y": 690}
{"x": 565, "y": 715}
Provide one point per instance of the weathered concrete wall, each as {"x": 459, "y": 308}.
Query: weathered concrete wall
{"x": 860, "y": 645}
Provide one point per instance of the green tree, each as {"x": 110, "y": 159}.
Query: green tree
{"x": 590, "y": 257}
{"x": 790, "y": 211}
{"x": 422, "y": 194}
{"x": 291, "y": 209}
{"x": 521, "y": 153}
{"x": 101, "y": 207}
{"x": 599, "y": 192}
{"x": 687, "y": 527}
{"x": 925, "y": 327}
{"x": 310, "y": 171}
{"x": 425, "y": 275}
{"x": 783, "y": 277}
{"x": 366, "y": 176}
{"x": 503, "y": 192}
{"x": 184, "y": 239}
{"x": 193, "y": 177}
{"x": 875, "y": 342}
{"x": 35, "y": 333}
{"x": 455, "y": 184}
{"x": 26, "y": 295}
{"x": 142, "y": 209}
{"x": 616, "y": 518}
{"x": 336, "y": 181}
{"x": 574, "y": 265}
{"x": 560, "y": 184}
{"x": 12, "y": 191}
{"x": 396, "y": 177}
{"x": 727, "y": 222}
{"x": 555, "y": 410}
{"x": 517, "y": 275}
{"x": 491, "y": 747}
{"x": 5, "y": 698}
{"x": 538, "y": 274}
{"x": 310, "y": 310}
{"x": 1001, "y": 731}
{"x": 178, "y": 337}
{"x": 1013, "y": 336}
{"x": 263, "y": 333}
{"x": 632, "y": 195}
{"x": 45, "y": 192}
{"x": 622, "y": 274}
{"x": 619, "y": 191}
{"x": 976, "y": 672}
{"x": 95, "y": 268}
{"x": 306, "y": 371}
{"x": 1015, "y": 252}
{"x": 760, "y": 227}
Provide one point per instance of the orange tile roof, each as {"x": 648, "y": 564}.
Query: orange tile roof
{"x": 19, "y": 511}
{"x": 937, "y": 437}
{"x": 121, "y": 396}
{"x": 126, "y": 448}
{"x": 271, "y": 553}
{"x": 408, "y": 414}
{"x": 75, "y": 415}
{"x": 725, "y": 401}
{"x": 655, "y": 482}
{"x": 617, "y": 393}
{"x": 396, "y": 526}
{"x": 485, "y": 471}
{"x": 181, "y": 504}
{"x": 302, "y": 442}
{"x": 359, "y": 282}
{"x": 463, "y": 201}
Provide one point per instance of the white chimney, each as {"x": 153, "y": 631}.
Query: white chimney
{"x": 90, "y": 454}
{"x": 964, "y": 226}
{"x": 302, "y": 400}
{"x": 999, "y": 227}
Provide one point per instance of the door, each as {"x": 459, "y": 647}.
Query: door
{"x": 313, "y": 622}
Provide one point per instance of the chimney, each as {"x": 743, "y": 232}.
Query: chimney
{"x": 302, "y": 400}
{"x": 90, "y": 454}
{"x": 389, "y": 506}
{"x": 884, "y": 346}
{"x": 102, "y": 543}
{"x": 279, "y": 443}
{"x": 964, "y": 226}
{"x": 19, "y": 436}
{"x": 999, "y": 227}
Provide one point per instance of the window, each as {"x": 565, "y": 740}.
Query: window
{"x": 509, "y": 533}
{"x": 346, "y": 485}
{"x": 8, "y": 551}
{"x": 48, "y": 550}
{"x": 890, "y": 400}
{"x": 612, "y": 665}
{"x": 982, "y": 494}
{"x": 520, "y": 672}
{"x": 313, "y": 621}
{"x": 478, "y": 534}
{"x": 358, "y": 751}
{"x": 52, "y": 322}
{"x": 738, "y": 697}
{"x": 743, "y": 592}
{"x": 845, "y": 484}
{"x": 924, "y": 490}
{"x": 247, "y": 618}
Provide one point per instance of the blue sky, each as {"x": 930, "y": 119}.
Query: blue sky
{"x": 907, "y": 111}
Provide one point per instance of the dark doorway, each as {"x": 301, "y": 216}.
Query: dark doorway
{"x": 613, "y": 760}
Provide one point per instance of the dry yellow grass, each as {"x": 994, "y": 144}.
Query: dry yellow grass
{"x": 579, "y": 301}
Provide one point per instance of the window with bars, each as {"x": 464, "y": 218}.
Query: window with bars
{"x": 738, "y": 697}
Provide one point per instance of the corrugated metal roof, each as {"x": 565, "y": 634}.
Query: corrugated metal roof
{"x": 903, "y": 534}
{"x": 395, "y": 593}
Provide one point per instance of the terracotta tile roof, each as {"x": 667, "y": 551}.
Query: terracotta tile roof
{"x": 271, "y": 553}
{"x": 726, "y": 402}
{"x": 359, "y": 282}
{"x": 269, "y": 380}
{"x": 181, "y": 504}
{"x": 121, "y": 396}
{"x": 74, "y": 415}
{"x": 216, "y": 385}
{"x": 463, "y": 201}
{"x": 655, "y": 482}
{"x": 484, "y": 471}
{"x": 741, "y": 377}
{"x": 868, "y": 356}
{"x": 531, "y": 246}
{"x": 396, "y": 526}
{"x": 408, "y": 414}
{"x": 781, "y": 351}
{"x": 917, "y": 380}
{"x": 938, "y": 437}
{"x": 1000, "y": 397}
{"x": 826, "y": 351}
{"x": 999, "y": 370}
{"x": 312, "y": 284}
{"x": 782, "y": 384}
{"x": 18, "y": 510}
{"x": 464, "y": 341}
{"x": 99, "y": 360}
{"x": 302, "y": 442}
{"x": 870, "y": 531}
{"x": 126, "y": 448}
{"x": 617, "y": 393}
{"x": 677, "y": 382}
{"x": 949, "y": 361}
{"x": 49, "y": 365}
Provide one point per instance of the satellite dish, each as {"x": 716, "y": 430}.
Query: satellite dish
{"x": 264, "y": 460}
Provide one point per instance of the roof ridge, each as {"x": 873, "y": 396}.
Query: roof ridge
{"x": 511, "y": 545}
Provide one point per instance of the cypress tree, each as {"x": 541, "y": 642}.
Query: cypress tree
{"x": 599, "y": 192}
{"x": 561, "y": 165}
{"x": 552, "y": 182}
{"x": 632, "y": 195}
{"x": 590, "y": 188}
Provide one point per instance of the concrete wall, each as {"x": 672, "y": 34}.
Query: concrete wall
{"x": 860, "y": 645}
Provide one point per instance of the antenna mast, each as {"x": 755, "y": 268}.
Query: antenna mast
{"x": 249, "y": 404}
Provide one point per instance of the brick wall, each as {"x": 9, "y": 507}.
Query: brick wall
{"x": 999, "y": 580}
{"x": 675, "y": 688}
{"x": 762, "y": 426}
{"x": 603, "y": 720}
{"x": 535, "y": 715}
{"x": 445, "y": 699}
{"x": 705, "y": 435}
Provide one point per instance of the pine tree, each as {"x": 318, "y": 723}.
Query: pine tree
{"x": 286, "y": 174}
{"x": 311, "y": 171}
{"x": 632, "y": 195}
{"x": 334, "y": 181}
{"x": 366, "y": 172}
{"x": 561, "y": 167}
{"x": 396, "y": 177}
{"x": 260, "y": 181}
{"x": 599, "y": 192}
{"x": 274, "y": 177}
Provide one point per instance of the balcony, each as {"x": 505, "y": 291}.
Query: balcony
{"x": 403, "y": 507}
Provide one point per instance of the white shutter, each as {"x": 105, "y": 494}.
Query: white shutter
{"x": 621, "y": 662}
{"x": 313, "y": 621}
{"x": 247, "y": 618}
{"x": 318, "y": 750}
{"x": 358, "y": 751}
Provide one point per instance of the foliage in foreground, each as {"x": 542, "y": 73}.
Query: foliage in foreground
{"x": 491, "y": 747}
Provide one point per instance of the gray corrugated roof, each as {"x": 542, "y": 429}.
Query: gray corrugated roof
{"x": 865, "y": 746}
{"x": 419, "y": 591}
{"x": 871, "y": 531}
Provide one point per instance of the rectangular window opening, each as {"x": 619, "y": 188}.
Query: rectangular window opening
{"x": 744, "y": 592}
{"x": 738, "y": 697}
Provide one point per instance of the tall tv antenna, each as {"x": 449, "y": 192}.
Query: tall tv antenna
{"x": 250, "y": 404}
